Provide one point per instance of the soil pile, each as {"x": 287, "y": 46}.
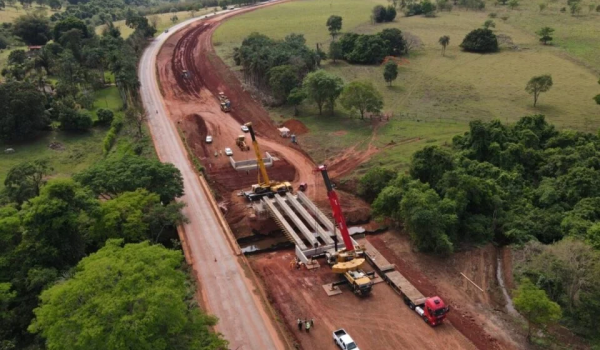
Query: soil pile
{"x": 296, "y": 126}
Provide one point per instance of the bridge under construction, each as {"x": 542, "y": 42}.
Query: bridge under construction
{"x": 303, "y": 223}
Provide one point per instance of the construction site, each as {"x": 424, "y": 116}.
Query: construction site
{"x": 318, "y": 263}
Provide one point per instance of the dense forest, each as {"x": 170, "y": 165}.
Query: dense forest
{"x": 521, "y": 183}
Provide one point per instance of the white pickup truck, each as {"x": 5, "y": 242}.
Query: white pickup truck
{"x": 343, "y": 340}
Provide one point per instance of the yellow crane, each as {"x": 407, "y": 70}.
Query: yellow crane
{"x": 264, "y": 186}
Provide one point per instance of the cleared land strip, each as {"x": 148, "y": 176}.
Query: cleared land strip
{"x": 226, "y": 291}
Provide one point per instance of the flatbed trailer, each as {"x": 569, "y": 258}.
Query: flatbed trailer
{"x": 431, "y": 309}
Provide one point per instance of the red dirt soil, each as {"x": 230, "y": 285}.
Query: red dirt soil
{"x": 296, "y": 126}
{"x": 380, "y": 321}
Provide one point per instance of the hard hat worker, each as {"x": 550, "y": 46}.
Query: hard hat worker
{"x": 300, "y": 324}
{"x": 307, "y": 326}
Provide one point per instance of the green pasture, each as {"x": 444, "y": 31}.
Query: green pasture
{"x": 436, "y": 96}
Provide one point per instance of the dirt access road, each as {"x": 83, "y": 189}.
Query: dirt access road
{"x": 226, "y": 291}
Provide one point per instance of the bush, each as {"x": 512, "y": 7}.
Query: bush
{"x": 480, "y": 40}
{"x": 413, "y": 9}
{"x": 382, "y": 14}
{"x": 105, "y": 116}
{"x": 117, "y": 122}
{"x": 74, "y": 120}
{"x": 109, "y": 140}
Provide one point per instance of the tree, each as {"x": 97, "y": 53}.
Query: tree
{"x": 295, "y": 98}
{"x": 334, "y": 25}
{"x": 55, "y": 5}
{"x": 135, "y": 217}
{"x": 33, "y": 28}
{"x": 335, "y": 51}
{"x": 17, "y": 57}
{"x": 68, "y": 24}
{"x": 23, "y": 113}
{"x": 25, "y": 180}
{"x": 390, "y": 72}
{"x": 480, "y": 40}
{"x": 430, "y": 164}
{"x": 122, "y": 297}
{"x": 534, "y": 305}
{"x": 545, "y": 34}
{"x": 362, "y": 96}
{"x": 390, "y": 13}
{"x": 444, "y": 41}
{"x": 3, "y": 42}
{"x": 282, "y": 80}
{"x": 174, "y": 18}
{"x": 513, "y": 4}
{"x": 379, "y": 13}
{"x": 55, "y": 222}
{"x": 394, "y": 41}
{"x": 373, "y": 182}
{"x": 368, "y": 49}
{"x": 489, "y": 24}
{"x": 105, "y": 116}
{"x": 114, "y": 176}
{"x": 537, "y": 85}
{"x": 428, "y": 8}
{"x": 322, "y": 87}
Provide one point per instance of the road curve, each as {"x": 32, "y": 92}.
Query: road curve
{"x": 226, "y": 291}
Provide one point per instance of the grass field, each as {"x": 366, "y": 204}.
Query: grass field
{"x": 9, "y": 13}
{"x": 77, "y": 151}
{"x": 435, "y": 96}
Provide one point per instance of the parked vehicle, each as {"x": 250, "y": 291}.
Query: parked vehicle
{"x": 342, "y": 339}
{"x": 245, "y": 128}
{"x": 208, "y": 139}
{"x": 228, "y": 152}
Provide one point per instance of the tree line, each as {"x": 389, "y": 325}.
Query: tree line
{"x": 102, "y": 216}
{"x": 516, "y": 183}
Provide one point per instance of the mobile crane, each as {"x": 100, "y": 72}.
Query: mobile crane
{"x": 347, "y": 261}
{"x": 265, "y": 186}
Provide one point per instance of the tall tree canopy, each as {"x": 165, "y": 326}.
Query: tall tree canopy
{"x": 334, "y": 25}
{"x": 361, "y": 96}
{"x": 33, "y": 28}
{"x": 22, "y": 111}
{"x": 128, "y": 173}
{"x": 125, "y": 297}
{"x": 323, "y": 88}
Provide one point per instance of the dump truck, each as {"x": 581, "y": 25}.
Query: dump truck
{"x": 347, "y": 261}
{"x": 241, "y": 143}
{"x": 342, "y": 339}
{"x": 265, "y": 186}
{"x": 224, "y": 102}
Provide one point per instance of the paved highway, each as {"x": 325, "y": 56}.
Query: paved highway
{"x": 226, "y": 291}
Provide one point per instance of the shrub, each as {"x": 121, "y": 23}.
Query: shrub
{"x": 383, "y": 14}
{"x": 117, "y": 123}
{"x": 480, "y": 40}
{"x": 105, "y": 116}
{"x": 109, "y": 140}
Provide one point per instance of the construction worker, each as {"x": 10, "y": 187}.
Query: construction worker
{"x": 300, "y": 324}
{"x": 312, "y": 322}
{"x": 307, "y": 326}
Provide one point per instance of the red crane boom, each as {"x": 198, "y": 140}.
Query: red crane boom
{"x": 337, "y": 209}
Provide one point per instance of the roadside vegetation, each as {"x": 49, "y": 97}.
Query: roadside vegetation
{"x": 83, "y": 199}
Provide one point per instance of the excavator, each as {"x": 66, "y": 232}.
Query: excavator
{"x": 348, "y": 261}
{"x": 265, "y": 186}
